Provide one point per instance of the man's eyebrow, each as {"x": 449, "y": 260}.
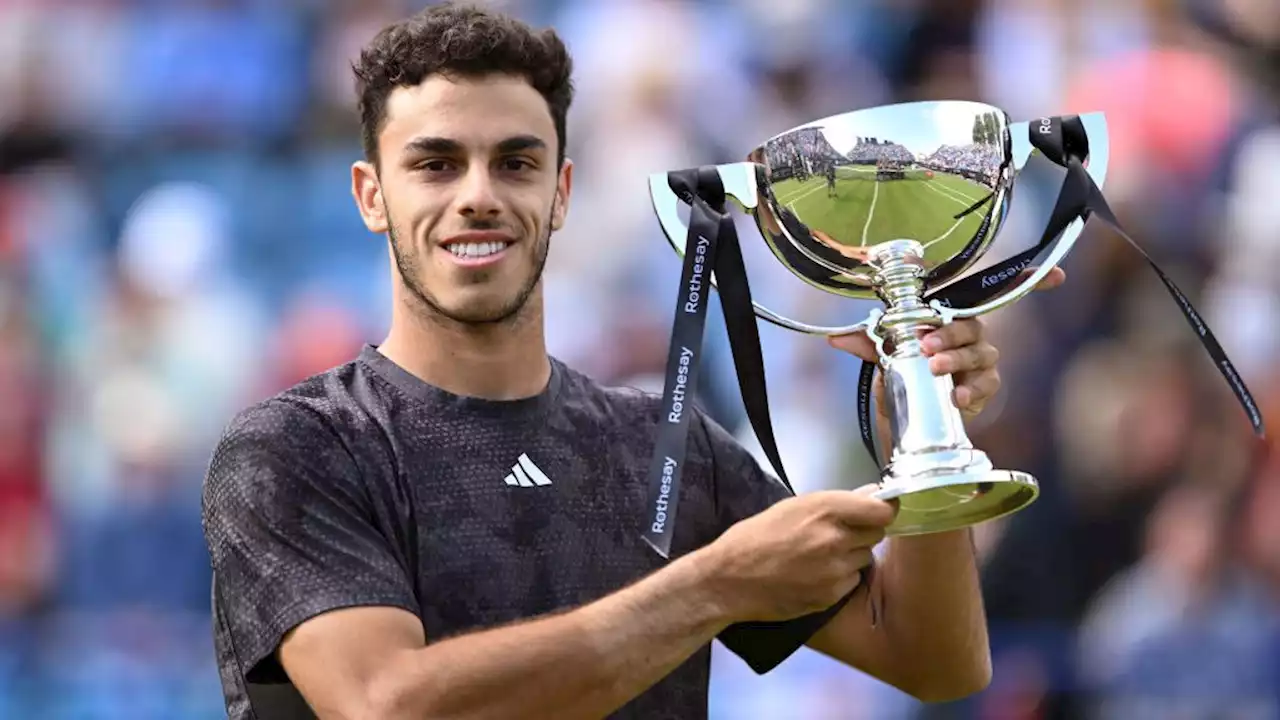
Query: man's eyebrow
{"x": 518, "y": 143}
{"x": 434, "y": 145}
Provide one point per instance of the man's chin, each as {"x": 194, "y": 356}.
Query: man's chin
{"x": 480, "y": 311}
{"x": 482, "y": 317}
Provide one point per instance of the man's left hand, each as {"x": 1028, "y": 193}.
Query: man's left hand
{"x": 959, "y": 349}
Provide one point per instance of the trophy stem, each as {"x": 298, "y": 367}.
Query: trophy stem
{"x": 899, "y": 283}
{"x": 923, "y": 418}
{"x": 941, "y": 480}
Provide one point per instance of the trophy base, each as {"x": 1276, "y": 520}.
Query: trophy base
{"x": 958, "y": 500}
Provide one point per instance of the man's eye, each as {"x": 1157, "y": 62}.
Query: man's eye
{"x": 516, "y": 164}
{"x": 435, "y": 166}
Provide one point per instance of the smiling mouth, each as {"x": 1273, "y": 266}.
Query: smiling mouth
{"x": 477, "y": 250}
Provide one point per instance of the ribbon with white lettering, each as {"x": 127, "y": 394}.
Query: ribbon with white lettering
{"x": 710, "y": 247}
{"x": 1063, "y": 140}
{"x": 962, "y": 258}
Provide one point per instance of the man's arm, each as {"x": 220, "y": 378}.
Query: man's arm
{"x": 930, "y": 636}
{"x": 312, "y": 589}
{"x": 373, "y": 662}
{"x": 796, "y": 558}
{"x": 920, "y": 624}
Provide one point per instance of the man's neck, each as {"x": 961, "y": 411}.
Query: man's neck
{"x": 505, "y": 361}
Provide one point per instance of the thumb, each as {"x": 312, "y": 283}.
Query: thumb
{"x": 857, "y": 344}
{"x": 867, "y": 490}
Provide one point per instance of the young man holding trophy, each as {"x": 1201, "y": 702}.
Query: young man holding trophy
{"x": 451, "y": 524}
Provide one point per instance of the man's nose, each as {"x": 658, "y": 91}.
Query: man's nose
{"x": 477, "y": 197}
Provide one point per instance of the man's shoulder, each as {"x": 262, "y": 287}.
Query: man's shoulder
{"x": 305, "y": 427}
{"x": 323, "y": 402}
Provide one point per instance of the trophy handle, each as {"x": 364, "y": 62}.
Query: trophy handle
{"x": 1099, "y": 150}
{"x": 739, "y": 181}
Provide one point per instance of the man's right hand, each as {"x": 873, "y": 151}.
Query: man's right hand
{"x": 800, "y": 556}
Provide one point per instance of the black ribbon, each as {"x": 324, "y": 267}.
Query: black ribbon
{"x": 711, "y": 247}
{"x": 974, "y": 207}
{"x": 962, "y": 258}
{"x": 1063, "y": 140}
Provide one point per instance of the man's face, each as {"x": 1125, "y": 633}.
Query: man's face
{"x": 468, "y": 192}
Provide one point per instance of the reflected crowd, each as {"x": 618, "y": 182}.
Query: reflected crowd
{"x": 178, "y": 240}
{"x": 873, "y": 150}
{"x": 974, "y": 158}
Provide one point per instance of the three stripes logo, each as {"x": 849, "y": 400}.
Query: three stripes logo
{"x": 525, "y": 474}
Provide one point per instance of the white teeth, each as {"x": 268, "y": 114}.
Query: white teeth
{"x": 476, "y": 250}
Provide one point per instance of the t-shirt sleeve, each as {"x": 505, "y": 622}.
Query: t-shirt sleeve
{"x": 291, "y": 532}
{"x": 744, "y": 489}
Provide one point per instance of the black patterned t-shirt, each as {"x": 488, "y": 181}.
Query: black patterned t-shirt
{"x": 366, "y": 486}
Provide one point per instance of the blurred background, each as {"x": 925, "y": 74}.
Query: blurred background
{"x": 177, "y": 240}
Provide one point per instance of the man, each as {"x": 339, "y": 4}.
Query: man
{"x": 450, "y": 525}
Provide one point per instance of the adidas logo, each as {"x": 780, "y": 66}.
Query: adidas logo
{"x": 525, "y": 474}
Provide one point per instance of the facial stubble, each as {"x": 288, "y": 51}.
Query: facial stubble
{"x": 409, "y": 264}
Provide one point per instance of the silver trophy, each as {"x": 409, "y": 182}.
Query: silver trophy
{"x": 888, "y": 204}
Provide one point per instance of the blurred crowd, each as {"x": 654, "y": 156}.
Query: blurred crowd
{"x": 177, "y": 239}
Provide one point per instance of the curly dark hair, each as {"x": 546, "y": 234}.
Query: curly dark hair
{"x": 460, "y": 40}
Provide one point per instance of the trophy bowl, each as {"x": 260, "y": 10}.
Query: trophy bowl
{"x": 832, "y": 191}
{"x": 890, "y": 204}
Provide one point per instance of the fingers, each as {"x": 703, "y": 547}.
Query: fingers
{"x": 857, "y": 509}
{"x": 855, "y": 579}
{"x": 852, "y": 508}
{"x": 970, "y": 358}
{"x": 976, "y": 389}
{"x": 1055, "y": 278}
{"x": 953, "y": 335}
{"x": 867, "y": 490}
{"x": 950, "y": 336}
{"x": 860, "y": 560}
{"x": 863, "y": 538}
{"x": 857, "y": 344}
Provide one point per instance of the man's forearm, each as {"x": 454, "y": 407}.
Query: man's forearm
{"x": 933, "y": 613}
{"x": 934, "y": 617}
{"x": 585, "y": 663}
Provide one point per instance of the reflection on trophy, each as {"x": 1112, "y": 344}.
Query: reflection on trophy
{"x": 890, "y": 203}
{"x": 894, "y": 204}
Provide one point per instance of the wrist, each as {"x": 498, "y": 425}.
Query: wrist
{"x": 706, "y": 583}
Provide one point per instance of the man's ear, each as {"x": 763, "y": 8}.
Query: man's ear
{"x": 564, "y": 186}
{"x": 367, "y": 190}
